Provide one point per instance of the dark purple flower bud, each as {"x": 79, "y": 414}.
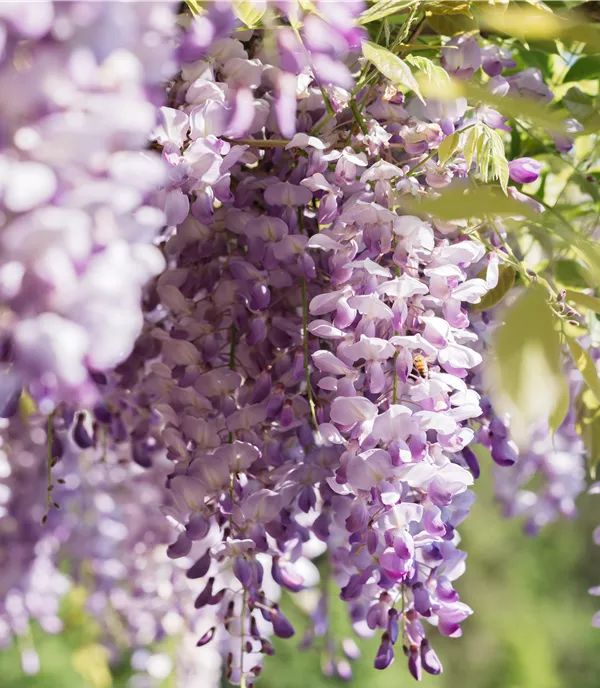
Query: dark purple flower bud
{"x": 197, "y": 527}
{"x": 81, "y": 436}
{"x": 258, "y": 332}
{"x": 242, "y": 571}
{"x": 98, "y": 377}
{"x": 200, "y": 568}
{"x": 119, "y": 430}
{"x": 472, "y": 462}
{"x": 141, "y": 453}
{"x": 257, "y": 573}
{"x": 207, "y": 637}
{"x": 215, "y": 599}
{"x": 321, "y": 526}
{"x": 205, "y": 596}
{"x": 180, "y": 548}
{"x": 102, "y": 413}
{"x": 392, "y": 626}
{"x": 524, "y": 170}
{"x": 307, "y": 499}
{"x": 385, "y": 653}
{"x": 57, "y": 447}
{"x": 266, "y": 647}
{"x": 421, "y": 600}
{"x": 352, "y": 589}
{"x": 429, "y": 659}
{"x": 281, "y": 626}
{"x": 260, "y": 297}
{"x": 414, "y": 663}
{"x": 504, "y": 452}
{"x": 287, "y": 414}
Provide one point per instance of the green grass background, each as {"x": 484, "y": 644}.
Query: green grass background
{"x": 531, "y": 627}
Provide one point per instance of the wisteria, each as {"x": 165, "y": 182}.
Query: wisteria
{"x": 243, "y": 353}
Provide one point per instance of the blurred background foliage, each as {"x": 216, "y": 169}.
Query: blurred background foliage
{"x": 531, "y": 627}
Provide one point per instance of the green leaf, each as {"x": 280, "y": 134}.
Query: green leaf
{"x": 470, "y": 145}
{"x": 585, "y": 366}
{"x": 91, "y": 661}
{"x": 27, "y": 405}
{"x": 451, "y": 24}
{"x": 383, "y": 8}
{"x": 562, "y": 407}
{"x": 526, "y": 376}
{"x": 570, "y": 273}
{"x": 391, "y": 66}
{"x": 540, "y": 4}
{"x": 581, "y": 106}
{"x": 444, "y": 7}
{"x": 506, "y": 280}
{"x": 586, "y": 67}
{"x": 531, "y": 23}
{"x": 194, "y": 6}
{"x": 447, "y": 147}
{"x": 248, "y": 12}
{"x": 499, "y": 161}
{"x": 457, "y": 204}
{"x": 584, "y": 300}
{"x": 434, "y": 73}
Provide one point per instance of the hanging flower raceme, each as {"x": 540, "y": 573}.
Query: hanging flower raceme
{"x": 305, "y": 379}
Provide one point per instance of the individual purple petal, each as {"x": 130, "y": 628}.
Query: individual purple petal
{"x": 524, "y": 170}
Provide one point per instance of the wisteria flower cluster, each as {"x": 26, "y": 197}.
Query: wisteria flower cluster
{"x": 237, "y": 357}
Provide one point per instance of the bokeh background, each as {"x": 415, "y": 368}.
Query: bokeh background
{"x": 531, "y": 627}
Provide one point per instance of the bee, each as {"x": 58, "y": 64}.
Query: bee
{"x": 420, "y": 367}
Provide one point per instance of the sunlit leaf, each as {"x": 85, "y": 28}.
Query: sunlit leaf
{"x": 584, "y": 300}
{"x": 540, "y": 4}
{"x": 525, "y": 375}
{"x": 451, "y": 24}
{"x": 531, "y": 23}
{"x": 585, "y": 366}
{"x": 447, "y": 147}
{"x": 506, "y": 280}
{"x": 435, "y": 74}
{"x": 458, "y": 203}
{"x": 570, "y": 273}
{"x": 384, "y": 8}
{"x": 444, "y": 7}
{"x": 194, "y": 6}
{"x": 581, "y": 106}
{"x": 27, "y": 405}
{"x": 586, "y": 67}
{"x": 391, "y": 66}
{"x": 562, "y": 407}
{"x": 249, "y": 12}
{"x": 588, "y": 426}
{"x": 487, "y": 4}
{"x": 91, "y": 661}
